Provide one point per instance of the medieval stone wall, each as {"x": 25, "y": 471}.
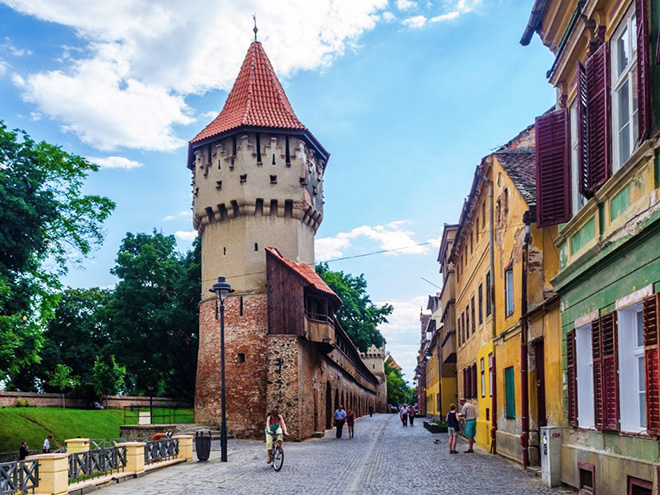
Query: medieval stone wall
{"x": 246, "y": 325}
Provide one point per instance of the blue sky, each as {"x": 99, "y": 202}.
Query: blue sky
{"x": 406, "y": 95}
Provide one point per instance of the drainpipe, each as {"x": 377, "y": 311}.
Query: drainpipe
{"x": 524, "y": 438}
{"x": 493, "y": 319}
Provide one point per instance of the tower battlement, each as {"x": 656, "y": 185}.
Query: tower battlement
{"x": 257, "y": 174}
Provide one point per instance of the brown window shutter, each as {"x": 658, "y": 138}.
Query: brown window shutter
{"x": 598, "y": 167}
{"x": 651, "y": 319}
{"x": 643, "y": 46}
{"x": 610, "y": 375}
{"x": 571, "y": 378}
{"x": 553, "y": 192}
{"x": 598, "y": 374}
{"x": 474, "y": 380}
{"x": 583, "y": 130}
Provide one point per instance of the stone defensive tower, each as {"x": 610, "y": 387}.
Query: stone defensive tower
{"x": 257, "y": 182}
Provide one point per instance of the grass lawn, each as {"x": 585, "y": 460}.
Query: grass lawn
{"x": 33, "y": 424}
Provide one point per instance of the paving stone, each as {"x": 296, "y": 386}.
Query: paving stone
{"x": 384, "y": 457}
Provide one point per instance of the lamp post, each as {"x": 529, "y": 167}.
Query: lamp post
{"x": 222, "y": 289}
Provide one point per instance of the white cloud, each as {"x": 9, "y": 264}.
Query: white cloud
{"x": 35, "y": 116}
{"x": 209, "y": 116}
{"x": 391, "y": 238}
{"x": 114, "y": 162}
{"x": 445, "y": 17}
{"x": 181, "y": 214}
{"x": 125, "y": 85}
{"x": 9, "y": 47}
{"x": 403, "y": 332}
{"x": 388, "y": 17}
{"x": 3, "y": 67}
{"x": 405, "y": 4}
{"x": 465, "y": 6}
{"x": 414, "y": 22}
{"x": 185, "y": 235}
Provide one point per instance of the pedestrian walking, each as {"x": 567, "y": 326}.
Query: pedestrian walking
{"x": 452, "y": 428}
{"x": 411, "y": 415}
{"x": 469, "y": 413}
{"x": 350, "y": 422}
{"x": 23, "y": 452}
{"x": 340, "y": 416}
{"x": 46, "y": 449}
{"x": 371, "y": 411}
{"x": 403, "y": 414}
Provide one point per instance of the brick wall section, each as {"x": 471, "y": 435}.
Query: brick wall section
{"x": 9, "y": 399}
{"x": 245, "y": 381}
{"x": 282, "y": 367}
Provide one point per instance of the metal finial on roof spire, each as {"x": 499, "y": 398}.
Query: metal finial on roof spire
{"x": 254, "y": 16}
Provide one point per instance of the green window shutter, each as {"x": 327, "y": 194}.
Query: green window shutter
{"x": 510, "y": 393}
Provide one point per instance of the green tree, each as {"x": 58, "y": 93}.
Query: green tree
{"x": 44, "y": 219}
{"x": 107, "y": 376}
{"x": 359, "y": 316}
{"x": 152, "y": 316}
{"x": 75, "y": 336}
{"x": 398, "y": 391}
{"x": 62, "y": 379}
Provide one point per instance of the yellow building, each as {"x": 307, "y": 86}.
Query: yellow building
{"x": 431, "y": 359}
{"x": 507, "y": 315}
{"x": 447, "y": 322}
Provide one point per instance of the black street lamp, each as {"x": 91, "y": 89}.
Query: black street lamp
{"x": 222, "y": 289}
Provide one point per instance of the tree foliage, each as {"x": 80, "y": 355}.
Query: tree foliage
{"x": 359, "y": 316}
{"x": 44, "y": 219}
{"x": 398, "y": 391}
{"x": 63, "y": 380}
{"x": 152, "y": 316}
{"x": 107, "y": 376}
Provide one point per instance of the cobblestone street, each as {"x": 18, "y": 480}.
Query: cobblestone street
{"x": 383, "y": 457}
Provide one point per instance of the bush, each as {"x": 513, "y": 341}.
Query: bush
{"x": 21, "y": 402}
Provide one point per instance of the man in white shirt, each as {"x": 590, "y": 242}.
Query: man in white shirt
{"x": 340, "y": 416}
{"x": 469, "y": 413}
{"x": 46, "y": 449}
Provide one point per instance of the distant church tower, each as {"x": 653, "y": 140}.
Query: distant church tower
{"x": 257, "y": 182}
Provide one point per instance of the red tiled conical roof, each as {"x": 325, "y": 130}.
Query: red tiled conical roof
{"x": 256, "y": 99}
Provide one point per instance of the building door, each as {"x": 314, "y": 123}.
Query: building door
{"x": 328, "y": 406}
{"x": 316, "y": 410}
{"x": 540, "y": 382}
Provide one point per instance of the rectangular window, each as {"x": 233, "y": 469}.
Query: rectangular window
{"x": 483, "y": 379}
{"x": 467, "y": 321}
{"x": 481, "y": 304}
{"x": 577, "y": 199}
{"x": 632, "y": 388}
{"x": 474, "y": 320}
{"x": 623, "y": 48}
{"x": 474, "y": 380}
{"x": 508, "y": 287}
{"x": 491, "y": 377}
{"x": 585, "y": 377}
{"x": 488, "y": 289}
{"x": 510, "y": 393}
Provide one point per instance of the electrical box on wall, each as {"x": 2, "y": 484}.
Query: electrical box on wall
{"x": 551, "y": 440}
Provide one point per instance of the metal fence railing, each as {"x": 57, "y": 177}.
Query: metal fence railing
{"x": 18, "y": 477}
{"x": 158, "y": 415}
{"x": 104, "y": 443}
{"x": 92, "y": 463}
{"x": 160, "y": 450}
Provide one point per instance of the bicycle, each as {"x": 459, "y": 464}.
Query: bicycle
{"x": 277, "y": 455}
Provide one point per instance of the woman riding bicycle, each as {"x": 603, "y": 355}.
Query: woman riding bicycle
{"x": 275, "y": 427}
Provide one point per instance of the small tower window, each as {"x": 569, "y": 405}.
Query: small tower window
{"x": 240, "y": 307}
{"x": 273, "y": 179}
{"x": 256, "y": 246}
{"x": 259, "y": 207}
{"x": 235, "y": 209}
{"x": 218, "y": 184}
{"x": 240, "y": 357}
{"x": 273, "y": 158}
{"x": 273, "y": 207}
{"x": 288, "y": 208}
{"x": 223, "y": 211}
{"x": 243, "y": 178}
{"x": 287, "y": 153}
{"x": 224, "y": 251}
{"x": 209, "y": 213}
{"x": 258, "y": 148}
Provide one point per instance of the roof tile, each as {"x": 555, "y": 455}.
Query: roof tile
{"x": 257, "y": 99}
